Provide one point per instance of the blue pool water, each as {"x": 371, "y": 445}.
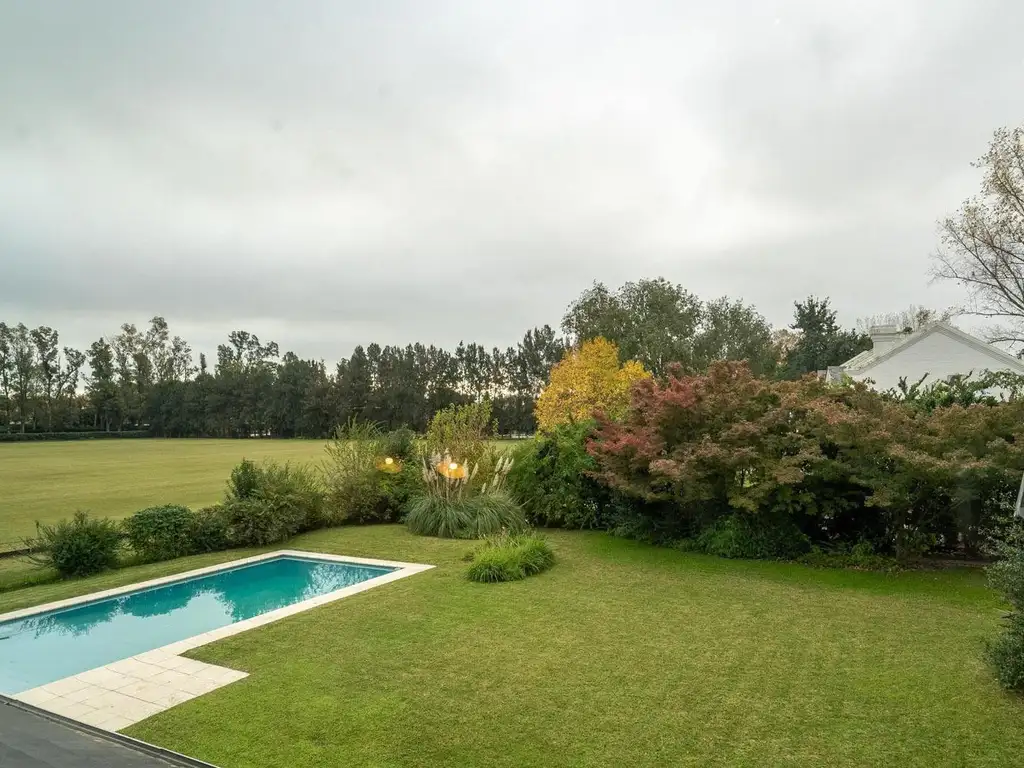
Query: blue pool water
{"x": 44, "y": 647}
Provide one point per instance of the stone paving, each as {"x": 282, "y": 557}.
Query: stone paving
{"x": 123, "y": 693}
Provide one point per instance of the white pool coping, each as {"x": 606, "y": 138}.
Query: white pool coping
{"x": 123, "y": 692}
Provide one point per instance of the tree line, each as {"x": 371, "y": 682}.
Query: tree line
{"x": 148, "y": 379}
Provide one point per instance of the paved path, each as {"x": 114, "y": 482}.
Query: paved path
{"x": 30, "y": 740}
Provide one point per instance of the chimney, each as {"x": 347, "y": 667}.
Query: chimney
{"x": 883, "y": 337}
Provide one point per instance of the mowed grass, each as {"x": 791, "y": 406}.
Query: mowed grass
{"x": 49, "y": 480}
{"x": 621, "y": 655}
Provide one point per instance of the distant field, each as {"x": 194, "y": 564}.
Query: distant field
{"x": 48, "y": 481}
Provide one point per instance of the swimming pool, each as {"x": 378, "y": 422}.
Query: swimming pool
{"x": 41, "y": 646}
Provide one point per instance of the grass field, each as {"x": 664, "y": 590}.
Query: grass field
{"x": 50, "y": 480}
{"x": 621, "y": 655}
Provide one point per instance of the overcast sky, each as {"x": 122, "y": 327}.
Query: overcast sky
{"x": 332, "y": 173}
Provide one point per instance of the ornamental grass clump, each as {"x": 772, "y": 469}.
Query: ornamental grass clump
{"x": 510, "y": 557}
{"x": 453, "y": 503}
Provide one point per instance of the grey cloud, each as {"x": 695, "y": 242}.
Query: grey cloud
{"x": 328, "y": 174}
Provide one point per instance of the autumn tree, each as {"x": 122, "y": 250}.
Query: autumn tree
{"x": 983, "y": 242}
{"x": 588, "y": 380}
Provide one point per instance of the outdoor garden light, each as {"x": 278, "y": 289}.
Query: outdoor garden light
{"x": 453, "y": 466}
{"x": 390, "y": 465}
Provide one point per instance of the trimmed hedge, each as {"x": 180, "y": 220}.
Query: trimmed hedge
{"x": 31, "y": 437}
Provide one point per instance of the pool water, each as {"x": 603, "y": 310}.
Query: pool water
{"x": 44, "y": 647}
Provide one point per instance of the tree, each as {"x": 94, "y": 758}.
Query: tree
{"x": 651, "y": 321}
{"x": 983, "y": 243}
{"x": 101, "y": 387}
{"x": 6, "y": 371}
{"x": 23, "y": 370}
{"x": 588, "y": 380}
{"x": 58, "y": 378}
{"x": 732, "y": 330}
{"x": 822, "y": 342}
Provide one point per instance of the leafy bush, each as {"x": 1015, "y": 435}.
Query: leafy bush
{"x": 450, "y": 506}
{"x": 208, "y": 530}
{"x": 510, "y": 557}
{"x": 840, "y": 463}
{"x": 245, "y": 480}
{"x": 464, "y": 432}
{"x": 1006, "y": 652}
{"x": 269, "y": 502}
{"x": 552, "y": 478}
{"x": 363, "y": 486}
{"x": 160, "y": 533}
{"x": 861, "y": 556}
{"x": 80, "y": 546}
{"x": 744, "y": 536}
{"x": 254, "y": 523}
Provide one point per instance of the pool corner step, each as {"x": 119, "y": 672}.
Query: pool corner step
{"x": 125, "y": 692}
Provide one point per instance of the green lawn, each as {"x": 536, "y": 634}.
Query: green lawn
{"x": 621, "y": 655}
{"x": 50, "y": 480}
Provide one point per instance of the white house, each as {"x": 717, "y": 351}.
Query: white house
{"x": 938, "y": 349}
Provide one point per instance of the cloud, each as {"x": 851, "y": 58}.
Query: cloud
{"x": 330, "y": 174}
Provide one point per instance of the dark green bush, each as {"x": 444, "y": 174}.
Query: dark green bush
{"x": 208, "y": 530}
{"x": 160, "y": 533}
{"x": 362, "y": 486}
{"x": 269, "y": 502}
{"x": 255, "y": 523}
{"x": 753, "y": 537}
{"x": 860, "y": 556}
{"x": 510, "y": 557}
{"x": 551, "y": 478}
{"x": 244, "y": 481}
{"x": 1006, "y": 652}
{"x": 80, "y": 546}
{"x": 27, "y": 437}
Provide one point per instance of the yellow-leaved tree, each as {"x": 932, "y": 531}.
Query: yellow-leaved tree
{"x": 587, "y": 379}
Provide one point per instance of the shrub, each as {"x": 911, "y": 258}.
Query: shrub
{"x": 449, "y": 507}
{"x": 464, "y": 432}
{"x": 208, "y": 530}
{"x": 254, "y": 523}
{"x": 552, "y": 479}
{"x": 290, "y": 496}
{"x": 744, "y": 536}
{"x": 510, "y": 557}
{"x": 1006, "y": 652}
{"x": 861, "y": 556}
{"x": 244, "y": 481}
{"x": 160, "y": 533}
{"x": 80, "y": 546}
{"x": 839, "y": 462}
{"x": 362, "y": 486}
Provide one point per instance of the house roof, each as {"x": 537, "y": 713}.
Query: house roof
{"x": 867, "y": 360}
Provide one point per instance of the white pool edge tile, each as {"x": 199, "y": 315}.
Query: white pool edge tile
{"x": 95, "y": 696}
{"x": 406, "y": 569}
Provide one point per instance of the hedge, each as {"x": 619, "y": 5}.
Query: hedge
{"x": 27, "y": 437}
